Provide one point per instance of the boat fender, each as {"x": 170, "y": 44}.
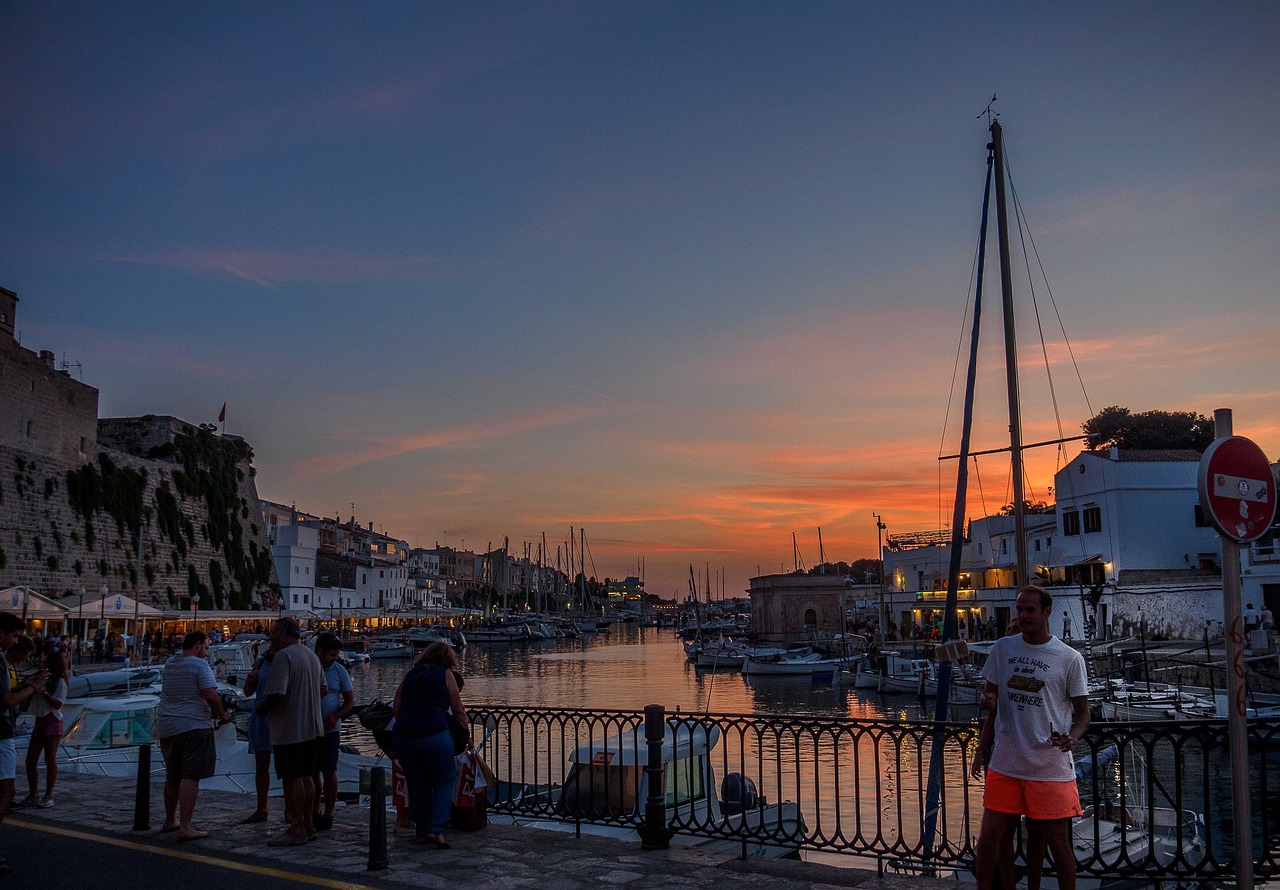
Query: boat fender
{"x": 738, "y": 794}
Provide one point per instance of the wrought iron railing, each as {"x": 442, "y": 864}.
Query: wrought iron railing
{"x": 1157, "y": 795}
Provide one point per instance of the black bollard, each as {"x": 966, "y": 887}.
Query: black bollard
{"x": 654, "y": 833}
{"x": 142, "y": 797}
{"x": 377, "y": 819}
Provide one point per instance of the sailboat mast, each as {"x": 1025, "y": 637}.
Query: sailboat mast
{"x": 1010, "y": 358}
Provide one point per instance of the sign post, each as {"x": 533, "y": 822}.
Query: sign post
{"x": 1237, "y": 495}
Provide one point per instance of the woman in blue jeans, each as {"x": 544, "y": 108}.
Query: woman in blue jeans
{"x": 423, "y": 743}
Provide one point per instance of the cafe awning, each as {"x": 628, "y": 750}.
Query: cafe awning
{"x": 1088, "y": 560}
{"x": 35, "y": 606}
{"x": 109, "y": 605}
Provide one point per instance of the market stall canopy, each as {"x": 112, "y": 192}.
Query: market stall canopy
{"x": 112, "y": 605}
{"x": 36, "y": 606}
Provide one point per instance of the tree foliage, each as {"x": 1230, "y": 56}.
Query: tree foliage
{"x": 1029, "y": 508}
{"x": 1158, "y": 430}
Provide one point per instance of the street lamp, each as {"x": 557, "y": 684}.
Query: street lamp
{"x": 80, "y": 629}
{"x": 880, "y": 527}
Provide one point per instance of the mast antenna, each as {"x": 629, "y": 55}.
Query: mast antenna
{"x": 989, "y": 111}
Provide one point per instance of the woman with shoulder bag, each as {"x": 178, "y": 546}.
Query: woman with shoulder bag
{"x": 46, "y": 707}
{"x": 423, "y": 742}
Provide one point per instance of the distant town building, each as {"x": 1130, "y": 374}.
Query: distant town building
{"x": 799, "y": 606}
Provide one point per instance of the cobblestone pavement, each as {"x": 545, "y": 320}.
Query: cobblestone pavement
{"x": 499, "y": 856}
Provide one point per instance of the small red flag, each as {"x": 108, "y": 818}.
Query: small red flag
{"x": 222, "y": 416}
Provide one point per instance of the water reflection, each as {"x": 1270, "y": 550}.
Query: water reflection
{"x": 880, "y": 780}
{"x": 628, "y": 669}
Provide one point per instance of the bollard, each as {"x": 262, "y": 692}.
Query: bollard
{"x": 654, "y": 833}
{"x": 377, "y": 819}
{"x": 142, "y": 797}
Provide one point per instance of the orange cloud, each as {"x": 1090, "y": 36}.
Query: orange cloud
{"x": 487, "y": 429}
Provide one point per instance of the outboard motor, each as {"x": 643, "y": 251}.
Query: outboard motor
{"x": 738, "y": 794}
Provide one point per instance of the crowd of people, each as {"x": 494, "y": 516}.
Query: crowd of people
{"x": 300, "y": 694}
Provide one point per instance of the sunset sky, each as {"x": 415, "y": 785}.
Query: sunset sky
{"x": 692, "y": 276}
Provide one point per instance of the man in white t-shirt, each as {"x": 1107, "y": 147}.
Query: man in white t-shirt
{"x": 1038, "y": 689}
{"x": 189, "y": 703}
{"x": 292, "y": 699}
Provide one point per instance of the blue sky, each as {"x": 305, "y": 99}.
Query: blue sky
{"x": 691, "y": 275}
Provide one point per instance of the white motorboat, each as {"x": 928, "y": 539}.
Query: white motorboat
{"x": 390, "y": 649}
{"x": 606, "y": 780}
{"x": 116, "y": 682}
{"x": 966, "y": 685}
{"x": 421, "y": 637}
{"x": 1112, "y": 837}
{"x": 903, "y": 676}
{"x": 500, "y": 632}
{"x": 808, "y": 664}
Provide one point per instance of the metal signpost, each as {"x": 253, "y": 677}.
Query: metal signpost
{"x": 1237, "y": 495}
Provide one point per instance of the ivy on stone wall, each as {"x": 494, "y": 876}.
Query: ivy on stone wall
{"x": 169, "y": 519}
{"x": 110, "y": 489}
{"x": 210, "y": 470}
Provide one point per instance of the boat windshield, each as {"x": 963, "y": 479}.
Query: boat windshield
{"x": 684, "y": 781}
{"x": 600, "y": 791}
{"x": 603, "y": 791}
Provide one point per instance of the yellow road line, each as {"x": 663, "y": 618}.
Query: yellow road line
{"x": 190, "y": 856}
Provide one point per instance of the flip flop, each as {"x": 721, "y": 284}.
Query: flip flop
{"x": 285, "y": 839}
{"x": 254, "y": 818}
{"x": 165, "y": 829}
{"x": 194, "y": 835}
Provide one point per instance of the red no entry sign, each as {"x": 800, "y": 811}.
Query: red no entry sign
{"x": 1237, "y": 490}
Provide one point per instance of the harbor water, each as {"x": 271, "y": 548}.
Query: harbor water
{"x": 626, "y": 669}
{"x": 631, "y": 667}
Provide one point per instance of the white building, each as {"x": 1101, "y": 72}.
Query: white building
{"x": 1127, "y": 547}
{"x": 293, "y": 550}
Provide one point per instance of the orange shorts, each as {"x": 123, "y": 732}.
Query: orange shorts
{"x": 1042, "y": 801}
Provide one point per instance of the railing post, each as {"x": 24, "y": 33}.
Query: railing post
{"x": 654, "y": 833}
{"x": 377, "y": 819}
{"x": 142, "y": 796}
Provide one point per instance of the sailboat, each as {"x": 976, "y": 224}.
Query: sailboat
{"x": 1099, "y": 839}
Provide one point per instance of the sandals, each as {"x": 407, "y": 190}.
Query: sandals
{"x": 254, "y": 818}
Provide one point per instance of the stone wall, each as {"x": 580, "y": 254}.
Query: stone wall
{"x": 1168, "y": 612}
{"x": 43, "y": 410}
{"x": 72, "y": 524}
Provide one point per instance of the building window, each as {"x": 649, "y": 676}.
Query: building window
{"x": 1037, "y": 545}
{"x": 31, "y": 428}
{"x": 1201, "y": 522}
{"x": 1070, "y": 523}
{"x": 84, "y": 445}
{"x": 295, "y": 602}
{"x": 1092, "y": 519}
{"x": 979, "y": 548}
{"x": 1004, "y": 545}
